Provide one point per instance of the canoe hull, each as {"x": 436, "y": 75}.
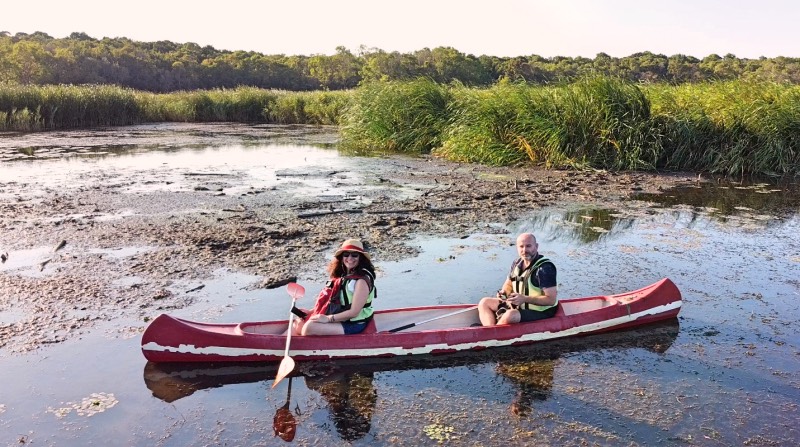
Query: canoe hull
{"x": 170, "y": 339}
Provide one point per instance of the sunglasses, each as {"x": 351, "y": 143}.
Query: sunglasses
{"x": 350, "y": 254}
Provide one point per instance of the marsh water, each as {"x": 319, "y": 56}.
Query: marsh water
{"x": 725, "y": 372}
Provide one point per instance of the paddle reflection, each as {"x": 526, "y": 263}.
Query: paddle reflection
{"x": 351, "y": 399}
{"x": 284, "y": 424}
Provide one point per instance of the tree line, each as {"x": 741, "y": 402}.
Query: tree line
{"x": 164, "y": 66}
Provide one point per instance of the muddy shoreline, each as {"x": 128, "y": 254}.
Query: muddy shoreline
{"x": 125, "y": 252}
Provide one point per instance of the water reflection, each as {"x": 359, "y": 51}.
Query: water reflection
{"x": 284, "y": 424}
{"x": 351, "y": 400}
{"x": 349, "y": 387}
{"x": 585, "y": 225}
{"x": 534, "y": 381}
{"x": 753, "y": 206}
{"x": 723, "y": 199}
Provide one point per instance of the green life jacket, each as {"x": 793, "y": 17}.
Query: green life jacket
{"x": 522, "y": 284}
{"x": 347, "y": 289}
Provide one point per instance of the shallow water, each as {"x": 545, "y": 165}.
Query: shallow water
{"x": 727, "y": 372}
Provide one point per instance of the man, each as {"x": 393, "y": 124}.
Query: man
{"x": 529, "y": 292}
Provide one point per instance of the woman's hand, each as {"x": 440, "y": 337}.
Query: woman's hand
{"x": 321, "y": 318}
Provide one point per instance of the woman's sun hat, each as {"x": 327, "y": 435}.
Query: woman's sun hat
{"x": 352, "y": 245}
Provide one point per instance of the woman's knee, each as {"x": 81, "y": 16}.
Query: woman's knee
{"x": 308, "y": 328}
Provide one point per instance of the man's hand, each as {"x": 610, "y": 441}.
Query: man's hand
{"x": 516, "y": 299}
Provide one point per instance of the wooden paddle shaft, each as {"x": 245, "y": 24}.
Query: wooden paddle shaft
{"x": 410, "y": 325}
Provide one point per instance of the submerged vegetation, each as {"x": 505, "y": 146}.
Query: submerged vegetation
{"x": 735, "y": 128}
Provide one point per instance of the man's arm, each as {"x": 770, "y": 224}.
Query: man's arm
{"x": 507, "y": 288}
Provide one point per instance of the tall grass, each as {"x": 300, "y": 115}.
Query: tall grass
{"x": 319, "y": 107}
{"x": 733, "y": 128}
{"x": 33, "y": 108}
{"x": 30, "y": 108}
{"x": 396, "y": 116}
{"x": 596, "y": 122}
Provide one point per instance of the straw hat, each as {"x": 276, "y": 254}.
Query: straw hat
{"x": 352, "y": 245}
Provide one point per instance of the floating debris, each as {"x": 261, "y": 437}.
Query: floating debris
{"x": 43, "y": 264}
{"x": 89, "y": 406}
{"x": 60, "y": 245}
{"x": 438, "y": 432}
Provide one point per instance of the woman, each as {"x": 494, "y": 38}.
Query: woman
{"x": 345, "y": 306}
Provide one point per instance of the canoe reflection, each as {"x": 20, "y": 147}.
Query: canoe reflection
{"x": 347, "y": 385}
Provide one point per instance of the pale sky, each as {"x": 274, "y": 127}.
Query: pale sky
{"x": 746, "y": 28}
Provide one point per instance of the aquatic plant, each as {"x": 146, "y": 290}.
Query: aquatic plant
{"x": 396, "y": 116}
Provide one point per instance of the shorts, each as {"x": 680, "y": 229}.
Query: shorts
{"x": 526, "y": 315}
{"x": 351, "y": 328}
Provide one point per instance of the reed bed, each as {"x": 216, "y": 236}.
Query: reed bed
{"x": 732, "y": 128}
{"x": 736, "y": 128}
{"x": 407, "y": 117}
{"x": 596, "y": 122}
{"x": 32, "y": 108}
{"x": 35, "y": 108}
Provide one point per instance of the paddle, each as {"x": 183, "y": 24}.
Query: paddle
{"x": 284, "y": 423}
{"x": 287, "y": 364}
{"x": 410, "y": 325}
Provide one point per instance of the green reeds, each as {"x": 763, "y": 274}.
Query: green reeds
{"x": 397, "y": 117}
{"x": 596, "y": 122}
{"x": 734, "y": 128}
{"x": 31, "y": 108}
{"x": 319, "y": 107}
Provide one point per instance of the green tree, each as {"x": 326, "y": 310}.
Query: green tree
{"x": 340, "y": 71}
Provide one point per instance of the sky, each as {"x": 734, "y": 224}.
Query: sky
{"x": 505, "y": 28}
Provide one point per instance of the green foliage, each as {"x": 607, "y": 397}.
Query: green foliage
{"x": 30, "y": 108}
{"x": 66, "y": 107}
{"x": 38, "y": 59}
{"x": 483, "y": 127}
{"x": 596, "y": 122}
{"x": 321, "y": 107}
{"x": 731, "y": 128}
{"x": 396, "y": 116}
{"x": 735, "y": 128}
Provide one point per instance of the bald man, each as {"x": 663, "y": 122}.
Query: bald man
{"x": 530, "y": 291}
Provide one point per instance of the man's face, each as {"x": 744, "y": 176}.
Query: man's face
{"x": 527, "y": 246}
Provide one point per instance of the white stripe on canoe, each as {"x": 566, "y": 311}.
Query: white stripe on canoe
{"x": 334, "y": 353}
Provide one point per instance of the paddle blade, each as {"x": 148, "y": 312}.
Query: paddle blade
{"x": 295, "y": 290}
{"x": 285, "y": 368}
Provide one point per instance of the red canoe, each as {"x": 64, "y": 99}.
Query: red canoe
{"x": 430, "y": 330}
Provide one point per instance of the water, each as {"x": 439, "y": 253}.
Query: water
{"x": 727, "y": 372}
